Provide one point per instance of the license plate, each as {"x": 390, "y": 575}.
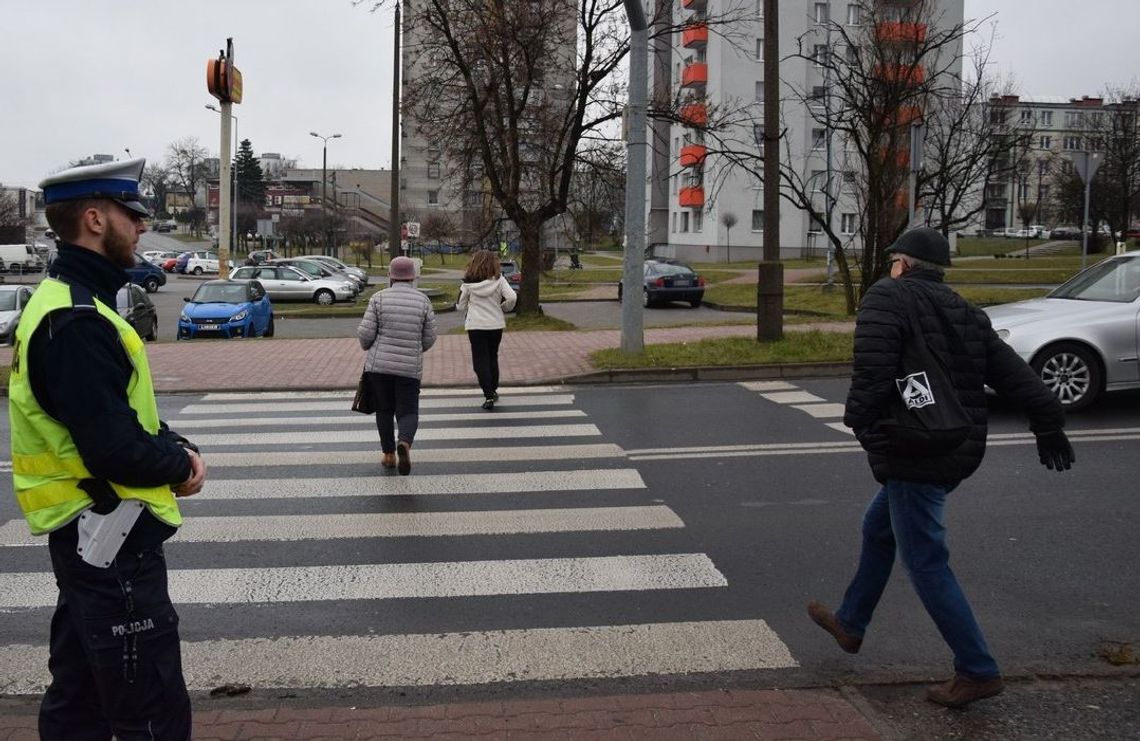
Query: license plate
{"x": 681, "y": 283}
{"x": 208, "y": 328}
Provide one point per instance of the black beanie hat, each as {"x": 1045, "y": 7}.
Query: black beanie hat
{"x": 925, "y": 244}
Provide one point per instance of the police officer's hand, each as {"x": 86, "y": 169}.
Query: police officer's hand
{"x": 192, "y": 485}
{"x": 1054, "y": 451}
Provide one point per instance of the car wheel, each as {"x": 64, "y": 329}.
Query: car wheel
{"x": 695, "y": 303}
{"x": 153, "y": 334}
{"x": 151, "y": 284}
{"x": 269, "y": 329}
{"x": 16, "y": 269}
{"x": 645, "y": 301}
{"x": 197, "y": 270}
{"x": 324, "y": 297}
{"x": 1072, "y": 372}
{"x": 619, "y": 293}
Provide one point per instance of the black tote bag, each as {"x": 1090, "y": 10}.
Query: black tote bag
{"x": 926, "y": 417}
{"x": 362, "y": 402}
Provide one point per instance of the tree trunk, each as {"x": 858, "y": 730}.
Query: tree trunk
{"x": 530, "y": 237}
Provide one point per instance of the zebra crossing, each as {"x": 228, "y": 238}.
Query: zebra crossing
{"x": 523, "y": 547}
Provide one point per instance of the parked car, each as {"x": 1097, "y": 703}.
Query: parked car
{"x": 160, "y": 256}
{"x": 287, "y": 283}
{"x": 197, "y": 263}
{"x": 670, "y": 281}
{"x": 1084, "y": 337}
{"x": 360, "y": 275}
{"x": 20, "y": 258}
{"x": 146, "y": 274}
{"x": 257, "y": 257}
{"x": 13, "y": 299}
{"x": 317, "y": 269}
{"x": 170, "y": 264}
{"x": 168, "y": 225}
{"x": 135, "y": 306}
{"x": 1065, "y": 232}
{"x": 227, "y": 308}
{"x": 510, "y": 271}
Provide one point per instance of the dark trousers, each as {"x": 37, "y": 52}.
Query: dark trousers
{"x": 115, "y": 660}
{"x": 485, "y": 357}
{"x": 399, "y": 397}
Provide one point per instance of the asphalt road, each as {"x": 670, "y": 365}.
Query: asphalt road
{"x": 766, "y": 495}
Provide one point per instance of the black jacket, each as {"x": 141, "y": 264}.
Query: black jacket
{"x": 883, "y": 325}
{"x": 79, "y": 373}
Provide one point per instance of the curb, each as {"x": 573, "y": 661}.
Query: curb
{"x": 711, "y": 373}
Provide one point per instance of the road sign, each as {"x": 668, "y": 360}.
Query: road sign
{"x": 413, "y": 229}
{"x": 1086, "y": 164}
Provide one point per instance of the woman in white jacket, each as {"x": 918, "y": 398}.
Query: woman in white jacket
{"x": 485, "y": 295}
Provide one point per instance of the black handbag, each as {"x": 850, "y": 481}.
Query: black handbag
{"x": 925, "y": 418}
{"x": 362, "y": 402}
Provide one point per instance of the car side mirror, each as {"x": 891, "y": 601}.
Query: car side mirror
{"x": 186, "y": 299}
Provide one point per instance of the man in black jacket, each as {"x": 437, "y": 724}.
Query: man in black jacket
{"x": 906, "y": 514}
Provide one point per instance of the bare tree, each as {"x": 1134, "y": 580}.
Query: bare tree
{"x": 1114, "y": 131}
{"x": 186, "y": 161}
{"x": 12, "y": 225}
{"x": 436, "y": 227}
{"x": 729, "y": 220}
{"x": 157, "y": 179}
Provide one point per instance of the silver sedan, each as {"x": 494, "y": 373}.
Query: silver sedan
{"x": 1084, "y": 337}
{"x": 286, "y": 283}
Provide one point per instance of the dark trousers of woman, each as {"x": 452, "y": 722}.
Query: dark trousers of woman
{"x": 395, "y": 397}
{"x": 485, "y": 358}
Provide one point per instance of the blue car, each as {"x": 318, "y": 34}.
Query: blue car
{"x": 146, "y": 274}
{"x": 227, "y": 308}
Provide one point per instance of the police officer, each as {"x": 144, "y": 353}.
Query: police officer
{"x": 98, "y": 472}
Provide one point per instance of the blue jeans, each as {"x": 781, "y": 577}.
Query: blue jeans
{"x": 907, "y": 516}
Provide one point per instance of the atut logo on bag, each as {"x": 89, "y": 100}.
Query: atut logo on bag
{"x": 916, "y": 390}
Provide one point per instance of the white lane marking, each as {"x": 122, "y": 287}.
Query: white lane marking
{"x": 327, "y": 437}
{"x": 840, "y": 427}
{"x": 792, "y": 397}
{"x": 292, "y": 584}
{"x": 351, "y": 419}
{"x": 701, "y": 450}
{"x": 768, "y": 385}
{"x": 430, "y": 455}
{"x": 821, "y": 411}
{"x": 425, "y": 485}
{"x": 397, "y": 525}
{"x": 344, "y": 402}
{"x": 461, "y": 658}
{"x": 471, "y": 392}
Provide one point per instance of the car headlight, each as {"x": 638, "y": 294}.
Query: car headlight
{"x": 1003, "y": 334}
{"x": 184, "y": 317}
{"x": 241, "y": 315}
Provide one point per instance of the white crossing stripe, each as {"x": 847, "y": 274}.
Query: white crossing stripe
{"x": 822, "y": 411}
{"x": 405, "y": 580}
{"x": 423, "y": 485}
{"x": 310, "y": 458}
{"x": 471, "y": 393}
{"x": 343, "y": 403}
{"x": 398, "y": 525}
{"x": 840, "y": 427}
{"x": 460, "y": 658}
{"x": 352, "y": 418}
{"x": 792, "y": 397}
{"x": 483, "y": 432}
{"x": 768, "y": 385}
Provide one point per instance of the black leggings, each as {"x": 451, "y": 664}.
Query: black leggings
{"x": 397, "y": 396}
{"x": 485, "y": 358}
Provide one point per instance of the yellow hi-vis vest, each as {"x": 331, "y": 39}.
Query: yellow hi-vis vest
{"x": 46, "y": 467}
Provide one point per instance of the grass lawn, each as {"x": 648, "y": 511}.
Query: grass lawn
{"x": 799, "y": 347}
{"x": 833, "y": 305}
{"x": 976, "y": 246}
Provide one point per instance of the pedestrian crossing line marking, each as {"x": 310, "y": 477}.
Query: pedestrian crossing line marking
{"x": 458, "y": 658}
{"x": 329, "y": 437}
{"x": 422, "y": 455}
{"x": 293, "y": 584}
{"x": 768, "y": 385}
{"x": 351, "y": 418}
{"x": 821, "y": 411}
{"x": 422, "y": 485}
{"x": 702, "y": 450}
{"x": 792, "y": 397}
{"x": 471, "y": 392}
{"x": 840, "y": 427}
{"x": 398, "y": 525}
{"x": 344, "y": 402}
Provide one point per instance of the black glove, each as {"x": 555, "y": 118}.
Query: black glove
{"x": 165, "y": 432}
{"x": 1054, "y": 450}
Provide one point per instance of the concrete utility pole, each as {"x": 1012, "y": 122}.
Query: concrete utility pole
{"x": 225, "y": 186}
{"x": 770, "y": 272}
{"x": 394, "y": 236}
{"x": 633, "y": 267}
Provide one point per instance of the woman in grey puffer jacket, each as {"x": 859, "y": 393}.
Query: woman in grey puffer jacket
{"x": 398, "y": 327}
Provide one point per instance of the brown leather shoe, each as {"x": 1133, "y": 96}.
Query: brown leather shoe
{"x": 388, "y": 460}
{"x": 403, "y": 458}
{"x": 826, "y": 619}
{"x": 961, "y": 691}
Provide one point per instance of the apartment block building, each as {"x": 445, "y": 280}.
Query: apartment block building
{"x": 700, "y": 206}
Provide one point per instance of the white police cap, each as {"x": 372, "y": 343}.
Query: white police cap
{"x": 118, "y": 181}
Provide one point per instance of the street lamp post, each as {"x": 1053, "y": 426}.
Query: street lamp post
{"x": 237, "y": 193}
{"x": 325, "y": 181}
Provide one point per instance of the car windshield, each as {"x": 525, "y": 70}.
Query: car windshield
{"x": 506, "y": 268}
{"x": 7, "y": 300}
{"x": 1111, "y": 280}
{"x": 667, "y": 269}
{"x": 312, "y": 268}
{"x": 220, "y": 293}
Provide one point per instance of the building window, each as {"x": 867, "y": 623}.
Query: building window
{"x": 818, "y": 180}
{"x": 684, "y": 221}
{"x": 433, "y": 154}
{"x": 818, "y": 138}
{"x": 759, "y": 8}
{"x": 1042, "y": 167}
{"x": 758, "y": 181}
{"x": 819, "y": 54}
{"x": 698, "y": 220}
{"x": 1045, "y": 142}
{"x": 674, "y": 179}
{"x": 759, "y": 91}
{"x": 1046, "y": 118}
{"x": 757, "y": 220}
{"x": 758, "y": 134}
{"x": 854, "y": 14}
{"x": 822, "y": 12}
{"x": 1026, "y": 116}
{"x": 433, "y": 171}
{"x": 1042, "y": 193}
{"x": 818, "y": 93}
{"x": 849, "y": 178}
{"x": 1066, "y": 167}
{"x": 1071, "y": 143}
{"x": 1073, "y": 119}
{"x": 759, "y": 50}
{"x": 847, "y": 224}
{"x": 403, "y": 183}
{"x": 433, "y": 197}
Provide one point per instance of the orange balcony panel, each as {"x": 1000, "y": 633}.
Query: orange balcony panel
{"x": 894, "y": 32}
{"x": 912, "y": 74}
{"x": 692, "y": 197}
{"x": 695, "y": 5}
{"x": 899, "y": 158}
{"x": 695, "y": 114}
{"x": 906, "y": 115}
{"x": 695, "y": 75}
{"x": 693, "y": 155}
{"x": 695, "y": 36}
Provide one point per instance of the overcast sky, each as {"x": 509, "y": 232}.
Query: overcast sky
{"x": 99, "y": 76}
